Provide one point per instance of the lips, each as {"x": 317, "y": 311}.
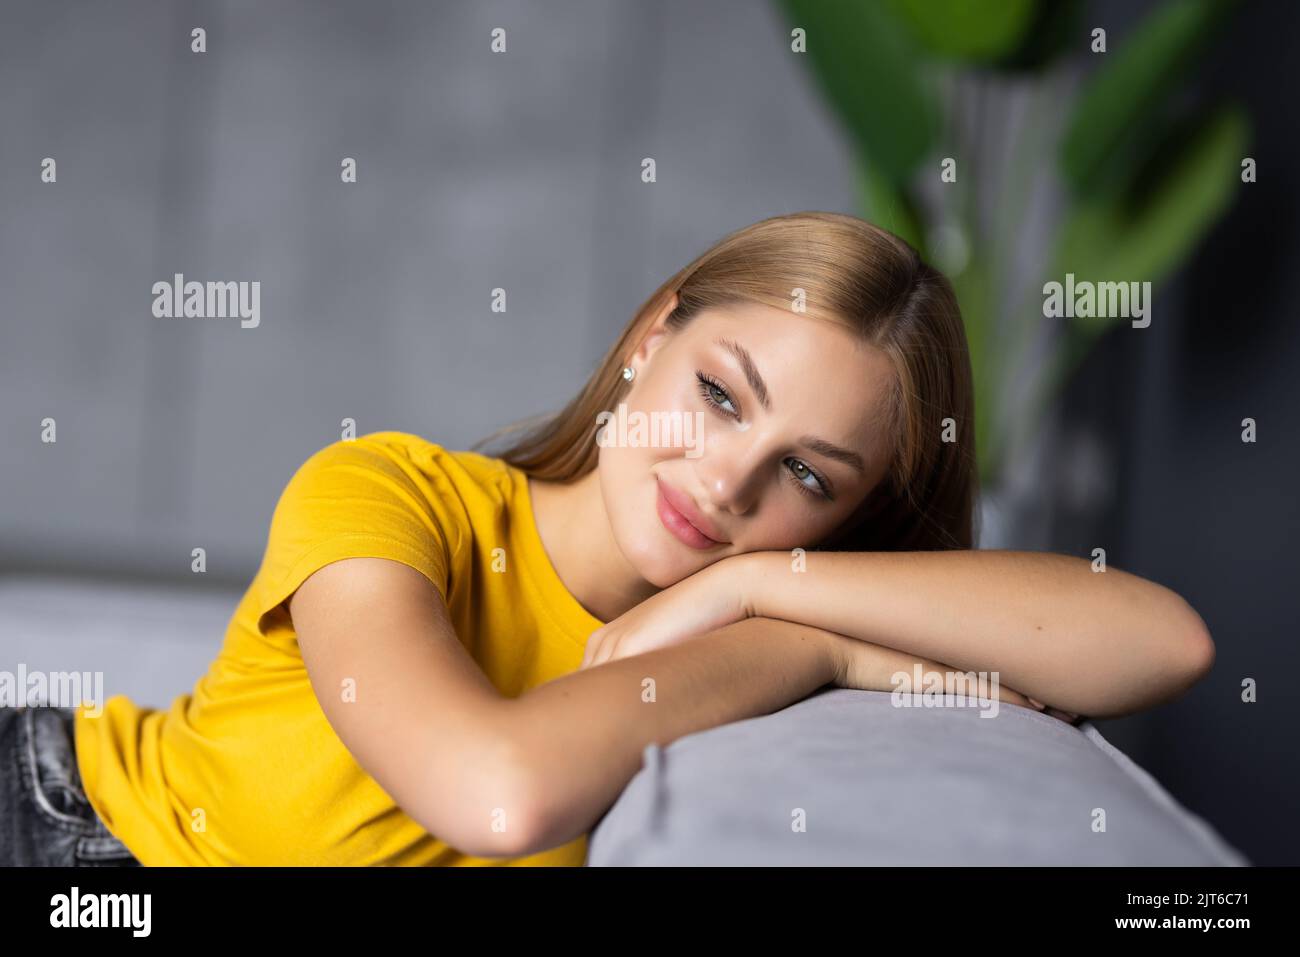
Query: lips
{"x": 680, "y": 516}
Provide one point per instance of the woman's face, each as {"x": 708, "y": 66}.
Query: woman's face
{"x": 767, "y": 434}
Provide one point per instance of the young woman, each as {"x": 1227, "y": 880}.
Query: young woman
{"x": 453, "y": 658}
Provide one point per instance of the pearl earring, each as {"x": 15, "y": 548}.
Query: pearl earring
{"x": 629, "y": 373}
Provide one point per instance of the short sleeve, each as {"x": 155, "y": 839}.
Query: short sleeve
{"x": 354, "y": 499}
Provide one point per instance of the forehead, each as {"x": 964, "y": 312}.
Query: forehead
{"x": 790, "y": 345}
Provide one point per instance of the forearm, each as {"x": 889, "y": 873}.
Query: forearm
{"x": 1099, "y": 644}
{"x": 584, "y": 733}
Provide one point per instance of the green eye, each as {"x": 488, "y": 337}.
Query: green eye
{"x": 716, "y": 395}
{"x": 801, "y": 473}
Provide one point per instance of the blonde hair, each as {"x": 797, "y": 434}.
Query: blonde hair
{"x": 855, "y": 275}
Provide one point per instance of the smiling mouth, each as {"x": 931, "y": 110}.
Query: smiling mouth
{"x": 679, "y": 525}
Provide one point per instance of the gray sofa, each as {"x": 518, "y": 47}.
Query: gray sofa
{"x": 877, "y": 784}
{"x": 847, "y": 778}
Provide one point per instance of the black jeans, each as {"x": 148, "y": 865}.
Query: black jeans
{"x": 45, "y": 818}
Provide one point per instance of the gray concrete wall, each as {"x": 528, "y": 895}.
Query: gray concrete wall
{"x": 475, "y": 171}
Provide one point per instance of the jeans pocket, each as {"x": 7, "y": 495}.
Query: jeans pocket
{"x": 48, "y": 767}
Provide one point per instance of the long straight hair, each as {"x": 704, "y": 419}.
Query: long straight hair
{"x": 843, "y": 270}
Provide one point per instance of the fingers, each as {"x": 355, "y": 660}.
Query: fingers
{"x": 592, "y": 648}
{"x": 598, "y": 650}
{"x": 1069, "y": 717}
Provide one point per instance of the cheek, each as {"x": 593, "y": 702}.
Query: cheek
{"x": 626, "y": 481}
{"x": 627, "y": 485}
{"x": 616, "y": 467}
{"x": 778, "y": 532}
{"x": 785, "y": 522}
{"x": 669, "y": 387}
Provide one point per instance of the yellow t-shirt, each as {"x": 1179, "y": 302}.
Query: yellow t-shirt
{"x": 246, "y": 769}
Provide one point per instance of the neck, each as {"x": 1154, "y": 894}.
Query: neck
{"x": 576, "y": 534}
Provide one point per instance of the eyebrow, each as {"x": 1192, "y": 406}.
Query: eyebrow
{"x": 811, "y": 442}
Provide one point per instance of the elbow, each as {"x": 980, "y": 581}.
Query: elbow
{"x": 1196, "y": 646}
{"x": 497, "y": 814}
{"x": 526, "y": 831}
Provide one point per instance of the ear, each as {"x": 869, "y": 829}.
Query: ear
{"x": 657, "y": 331}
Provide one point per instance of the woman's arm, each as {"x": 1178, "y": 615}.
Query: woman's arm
{"x": 1097, "y": 643}
{"x": 500, "y": 777}
{"x": 583, "y": 734}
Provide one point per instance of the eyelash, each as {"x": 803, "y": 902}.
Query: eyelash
{"x": 708, "y": 383}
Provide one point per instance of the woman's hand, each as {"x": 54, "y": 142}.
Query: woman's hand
{"x": 865, "y": 666}
{"x": 711, "y": 598}
{"x": 716, "y": 596}
{"x": 1069, "y": 717}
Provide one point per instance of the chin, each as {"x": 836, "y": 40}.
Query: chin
{"x": 657, "y": 558}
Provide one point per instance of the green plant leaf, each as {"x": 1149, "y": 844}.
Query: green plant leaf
{"x": 1117, "y": 100}
{"x": 1144, "y": 232}
{"x": 869, "y": 70}
{"x": 1053, "y": 33}
{"x": 973, "y": 31}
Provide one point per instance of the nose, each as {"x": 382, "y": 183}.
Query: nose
{"x": 731, "y": 471}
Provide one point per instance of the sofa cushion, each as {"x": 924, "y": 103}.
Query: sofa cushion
{"x": 878, "y": 784}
